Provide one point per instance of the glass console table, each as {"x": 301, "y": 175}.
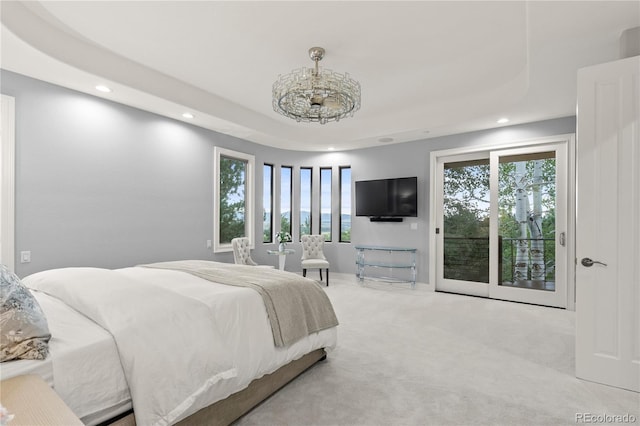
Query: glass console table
{"x": 282, "y": 256}
{"x": 386, "y": 259}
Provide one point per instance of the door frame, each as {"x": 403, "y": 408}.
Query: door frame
{"x": 436, "y": 158}
{"x": 7, "y": 181}
{"x": 557, "y": 298}
{"x": 455, "y": 286}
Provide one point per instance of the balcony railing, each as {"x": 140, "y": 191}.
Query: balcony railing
{"x": 467, "y": 259}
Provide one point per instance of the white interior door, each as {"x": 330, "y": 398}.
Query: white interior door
{"x": 608, "y": 225}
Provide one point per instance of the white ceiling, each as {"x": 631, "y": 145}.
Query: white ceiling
{"x": 427, "y": 68}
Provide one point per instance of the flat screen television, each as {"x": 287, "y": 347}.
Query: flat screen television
{"x": 387, "y": 198}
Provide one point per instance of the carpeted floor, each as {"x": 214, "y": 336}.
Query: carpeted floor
{"x": 416, "y": 357}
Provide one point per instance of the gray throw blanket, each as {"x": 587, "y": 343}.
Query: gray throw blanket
{"x": 296, "y": 306}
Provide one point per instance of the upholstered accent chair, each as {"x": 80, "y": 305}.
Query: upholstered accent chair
{"x": 313, "y": 256}
{"x": 242, "y": 252}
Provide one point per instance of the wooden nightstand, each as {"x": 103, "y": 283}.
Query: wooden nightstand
{"x": 34, "y": 403}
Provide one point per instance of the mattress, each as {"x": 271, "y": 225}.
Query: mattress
{"x": 83, "y": 365}
{"x": 243, "y": 322}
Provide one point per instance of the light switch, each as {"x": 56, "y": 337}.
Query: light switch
{"x": 208, "y": 243}
{"x": 25, "y": 256}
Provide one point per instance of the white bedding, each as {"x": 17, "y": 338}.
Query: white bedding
{"x": 82, "y": 354}
{"x": 240, "y": 317}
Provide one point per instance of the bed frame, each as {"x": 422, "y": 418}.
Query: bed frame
{"x": 230, "y": 409}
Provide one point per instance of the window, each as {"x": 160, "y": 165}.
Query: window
{"x": 345, "y": 204}
{"x": 286, "y": 176}
{"x": 267, "y": 203}
{"x": 233, "y": 197}
{"x": 305, "y": 200}
{"x": 325, "y": 202}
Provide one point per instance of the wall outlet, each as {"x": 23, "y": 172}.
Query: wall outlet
{"x": 25, "y": 256}
{"x": 209, "y": 244}
{"x": 414, "y": 226}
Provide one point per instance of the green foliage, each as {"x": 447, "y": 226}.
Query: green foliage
{"x": 266, "y": 230}
{"x": 285, "y": 223}
{"x": 466, "y": 201}
{"x": 232, "y": 199}
{"x": 305, "y": 228}
{"x": 507, "y": 187}
{"x": 466, "y": 216}
{"x": 508, "y": 225}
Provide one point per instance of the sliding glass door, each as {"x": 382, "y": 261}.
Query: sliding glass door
{"x": 464, "y": 234}
{"x": 502, "y": 220}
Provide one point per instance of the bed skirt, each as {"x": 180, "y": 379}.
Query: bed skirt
{"x": 230, "y": 409}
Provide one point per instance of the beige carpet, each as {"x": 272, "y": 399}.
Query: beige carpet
{"x": 415, "y": 357}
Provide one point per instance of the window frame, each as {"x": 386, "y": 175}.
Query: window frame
{"x": 330, "y": 183}
{"x": 271, "y": 201}
{"x": 310, "y": 169}
{"x": 341, "y": 196}
{"x": 249, "y": 194}
{"x": 290, "y": 230}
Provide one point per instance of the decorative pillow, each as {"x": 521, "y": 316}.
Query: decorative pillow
{"x": 24, "y": 332}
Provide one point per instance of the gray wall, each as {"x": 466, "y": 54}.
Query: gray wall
{"x": 102, "y": 184}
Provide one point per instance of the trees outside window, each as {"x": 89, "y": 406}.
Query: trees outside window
{"x": 233, "y": 197}
{"x": 466, "y": 221}
{"x": 286, "y": 180}
{"x": 527, "y": 216}
{"x": 345, "y": 204}
{"x": 325, "y": 202}
{"x": 305, "y": 200}
{"x": 267, "y": 203}
{"x": 526, "y": 219}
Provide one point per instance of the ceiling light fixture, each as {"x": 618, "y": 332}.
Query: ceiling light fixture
{"x": 316, "y": 94}
{"x": 103, "y": 88}
{"x": 188, "y": 115}
{"x": 503, "y": 120}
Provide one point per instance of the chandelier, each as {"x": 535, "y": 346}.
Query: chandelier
{"x": 316, "y": 94}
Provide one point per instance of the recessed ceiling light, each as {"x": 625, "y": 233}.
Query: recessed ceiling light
{"x": 103, "y": 88}
{"x": 188, "y": 115}
{"x": 384, "y": 140}
{"x": 331, "y": 148}
{"x": 503, "y": 120}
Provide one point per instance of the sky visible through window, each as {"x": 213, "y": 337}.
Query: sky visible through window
{"x": 306, "y": 198}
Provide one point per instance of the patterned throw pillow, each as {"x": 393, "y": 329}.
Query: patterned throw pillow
{"x": 24, "y": 333}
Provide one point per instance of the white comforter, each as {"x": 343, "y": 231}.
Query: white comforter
{"x": 152, "y": 327}
{"x": 238, "y": 315}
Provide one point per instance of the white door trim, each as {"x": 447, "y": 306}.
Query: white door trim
{"x": 7, "y": 181}
{"x": 436, "y": 160}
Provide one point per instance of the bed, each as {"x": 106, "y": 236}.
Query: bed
{"x": 173, "y": 343}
